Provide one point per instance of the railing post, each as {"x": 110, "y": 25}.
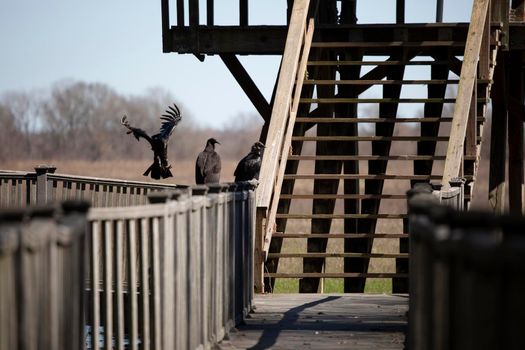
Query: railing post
{"x": 459, "y": 182}
{"x": 41, "y": 182}
{"x": 258, "y": 257}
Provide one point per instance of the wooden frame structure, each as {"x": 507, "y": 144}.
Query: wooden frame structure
{"x": 327, "y": 101}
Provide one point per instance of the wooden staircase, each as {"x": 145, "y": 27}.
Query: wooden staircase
{"x": 360, "y": 136}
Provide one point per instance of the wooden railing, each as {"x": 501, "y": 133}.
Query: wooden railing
{"x": 463, "y": 133}
{"x": 20, "y": 189}
{"x": 278, "y": 140}
{"x": 41, "y": 252}
{"x": 466, "y": 278}
{"x": 176, "y": 274}
{"x": 173, "y": 274}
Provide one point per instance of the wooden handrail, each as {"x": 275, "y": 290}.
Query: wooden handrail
{"x": 283, "y": 100}
{"x": 288, "y": 136}
{"x": 465, "y": 90}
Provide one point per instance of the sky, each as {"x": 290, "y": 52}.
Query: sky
{"x": 119, "y": 43}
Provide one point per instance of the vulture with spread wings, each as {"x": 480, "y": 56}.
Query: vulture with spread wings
{"x": 159, "y": 142}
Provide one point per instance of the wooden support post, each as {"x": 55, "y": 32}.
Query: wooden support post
{"x": 42, "y": 195}
{"x": 400, "y": 11}
{"x": 194, "y": 13}
{"x": 165, "y": 13}
{"x": 515, "y": 127}
{"x": 498, "y": 137}
{"x": 258, "y": 256}
{"x": 245, "y": 81}
{"x": 322, "y": 206}
{"x": 243, "y": 12}
{"x": 210, "y": 17}
{"x": 472, "y": 127}
{"x": 180, "y": 13}
{"x": 439, "y": 11}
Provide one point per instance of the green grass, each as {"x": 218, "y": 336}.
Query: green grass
{"x": 335, "y": 285}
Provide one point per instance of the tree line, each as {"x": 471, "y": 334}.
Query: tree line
{"x": 80, "y": 120}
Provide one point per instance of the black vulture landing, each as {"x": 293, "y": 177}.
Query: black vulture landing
{"x": 249, "y": 167}
{"x": 208, "y": 164}
{"x": 159, "y": 142}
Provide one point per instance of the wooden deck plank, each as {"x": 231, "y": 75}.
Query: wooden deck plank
{"x": 292, "y": 321}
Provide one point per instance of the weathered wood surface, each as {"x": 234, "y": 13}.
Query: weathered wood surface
{"x": 309, "y": 321}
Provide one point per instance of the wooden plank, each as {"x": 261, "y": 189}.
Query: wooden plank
{"x": 342, "y": 196}
{"x": 180, "y": 13}
{"x": 145, "y": 269}
{"x": 465, "y": 90}
{"x": 288, "y": 136}
{"x": 341, "y": 235}
{"x": 381, "y": 100}
{"x": 498, "y": 137}
{"x": 132, "y": 285}
{"x": 337, "y": 255}
{"x": 165, "y": 13}
{"x": 194, "y": 13}
{"x": 439, "y": 11}
{"x": 363, "y": 176}
{"x": 210, "y": 17}
{"x": 95, "y": 297}
{"x": 282, "y": 102}
{"x": 367, "y": 157}
{"x": 380, "y": 63}
{"x": 471, "y": 136}
{"x": 119, "y": 282}
{"x": 400, "y": 11}
{"x": 337, "y": 275}
{"x": 370, "y": 138}
{"x": 108, "y": 284}
{"x": 156, "y": 273}
{"x": 389, "y": 44}
{"x": 243, "y": 12}
{"x": 342, "y": 216}
{"x": 374, "y": 120}
{"x": 248, "y": 86}
{"x": 381, "y": 82}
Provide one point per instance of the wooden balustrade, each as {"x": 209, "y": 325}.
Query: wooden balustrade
{"x": 466, "y": 278}
{"x": 41, "y": 277}
{"x": 20, "y": 189}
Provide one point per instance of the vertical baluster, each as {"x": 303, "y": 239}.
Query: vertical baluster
{"x": 132, "y": 284}
{"x": 155, "y": 257}
{"x": 209, "y": 13}
{"x": 243, "y": 12}
{"x": 95, "y": 234}
{"x": 108, "y": 284}
{"x": 20, "y": 192}
{"x": 180, "y": 13}
{"x": 119, "y": 280}
{"x": 194, "y": 13}
{"x": 145, "y": 267}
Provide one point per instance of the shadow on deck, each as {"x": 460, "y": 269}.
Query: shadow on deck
{"x": 292, "y": 321}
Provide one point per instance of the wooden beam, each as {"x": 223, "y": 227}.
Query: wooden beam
{"x": 194, "y": 13}
{"x": 180, "y": 13}
{"x": 498, "y": 137}
{"x": 243, "y": 13}
{"x": 283, "y": 101}
{"x": 400, "y": 11}
{"x": 439, "y": 11}
{"x": 165, "y": 13}
{"x": 210, "y": 17}
{"x": 465, "y": 89}
{"x": 245, "y": 81}
{"x": 515, "y": 127}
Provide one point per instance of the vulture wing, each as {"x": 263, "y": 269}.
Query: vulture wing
{"x": 169, "y": 120}
{"x": 136, "y": 131}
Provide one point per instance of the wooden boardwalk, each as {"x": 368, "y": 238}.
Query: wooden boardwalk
{"x": 317, "y": 321}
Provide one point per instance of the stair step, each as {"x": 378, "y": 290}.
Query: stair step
{"x": 376, "y": 120}
{"x": 341, "y": 216}
{"x": 336, "y": 255}
{"x": 340, "y": 235}
{"x": 361, "y": 176}
{"x": 370, "y": 138}
{"x": 382, "y": 100}
{"x": 366, "y": 157}
{"x": 336, "y": 275}
{"x": 386, "y": 44}
{"x": 377, "y": 63}
{"x": 378, "y": 82}
{"x": 343, "y": 196}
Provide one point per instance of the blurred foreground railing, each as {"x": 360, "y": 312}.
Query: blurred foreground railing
{"x": 173, "y": 274}
{"x": 41, "y": 278}
{"x": 467, "y": 278}
{"x": 20, "y": 189}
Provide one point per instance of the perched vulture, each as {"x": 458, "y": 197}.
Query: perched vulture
{"x": 248, "y": 168}
{"x": 159, "y": 142}
{"x": 208, "y": 164}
